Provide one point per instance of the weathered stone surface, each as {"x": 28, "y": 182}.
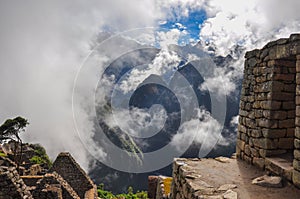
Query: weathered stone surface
{"x": 296, "y": 178}
{"x": 274, "y": 133}
{"x": 240, "y": 144}
{"x": 226, "y": 187}
{"x": 259, "y": 162}
{"x": 11, "y": 185}
{"x": 152, "y": 185}
{"x": 268, "y": 181}
{"x": 286, "y": 123}
{"x": 297, "y": 132}
{"x": 290, "y": 132}
{"x": 265, "y": 143}
{"x": 297, "y": 143}
{"x": 296, "y": 164}
{"x": 230, "y": 195}
{"x": 297, "y": 101}
{"x": 70, "y": 170}
{"x": 270, "y": 103}
{"x": 286, "y": 143}
{"x": 265, "y": 123}
{"x": 288, "y": 105}
{"x": 255, "y": 133}
{"x": 279, "y": 115}
{"x": 222, "y": 159}
{"x": 297, "y": 154}
{"x": 267, "y": 153}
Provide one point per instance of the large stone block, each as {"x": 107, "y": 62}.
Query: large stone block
{"x": 266, "y": 123}
{"x": 296, "y": 178}
{"x": 288, "y": 123}
{"x": 298, "y": 111}
{"x": 297, "y": 132}
{"x": 297, "y": 143}
{"x": 284, "y": 77}
{"x": 243, "y": 113}
{"x": 288, "y": 105}
{"x": 269, "y": 105}
{"x": 250, "y": 123}
{"x": 270, "y": 114}
{"x": 254, "y": 152}
{"x": 256, "y": 133}
{"x": 296, "y": 165}
{"x": 261, "y": 96}
{"x": 265, "y": 143}
{"x": 286, "y": 143}
{"x": 258, "y": 113}
{"x": 290, "y": 132}
{"x": 268, "y": 153}
{"x": 244, "y": 137}
{"x": 290, "y": 88}
{"x": 297, "y": 101}
{"x": 297, "y": 121}
{"x": 247, "y": 150}
{"x": 274, "y": 133}
{"x": 291, "y": 114}
{"x": 297, "y": 154}
{"x": 277, "y": 86}
{"x": 264, "y": 87}
{"x": 242, "y": 128}
{"x": 240, "y": 144}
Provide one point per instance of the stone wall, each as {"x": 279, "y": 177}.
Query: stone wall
{"x": 75, "y": 184}
{"x": 296, "y": 162}
{"x": 11, "y": 185}
{"x": 188, "y": 182}
{"x": 269, "y": 117}
{"x": 68, "y": 168}
{"x": 54, "y": 180}
{"x": 152, "y": 186}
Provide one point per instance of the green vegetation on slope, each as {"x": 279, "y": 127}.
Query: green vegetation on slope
{"x": 129, "y": 195}
{"x": 41, "y": 156}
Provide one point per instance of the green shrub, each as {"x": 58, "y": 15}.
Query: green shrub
{"x": 37, "y": 160}
{"x": 41, "y": 156}
{"x": 129, "y": 195}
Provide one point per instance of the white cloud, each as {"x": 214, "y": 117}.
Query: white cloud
{"x": 203, "y": 129}
{"x": 221, "y": 83}
{"x": 42, "y": 46}
{"x": 163, "y": 63}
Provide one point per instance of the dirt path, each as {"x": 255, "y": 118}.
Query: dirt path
{"x": 241, "y": 174}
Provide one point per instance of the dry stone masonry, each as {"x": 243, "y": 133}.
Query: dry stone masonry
{"x": 65, "y": 180}
{"x": 269, "y": 117}
{"x": 188, "y": 182}
{"x": 68, "y": 168}
{"x": 11, "y": 185}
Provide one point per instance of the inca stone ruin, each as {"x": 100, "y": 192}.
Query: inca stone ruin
{"x": 269, "y": 118}
{"x": 65, "y": 180}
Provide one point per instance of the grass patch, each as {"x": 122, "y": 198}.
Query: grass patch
{"x": 2, "y": 154}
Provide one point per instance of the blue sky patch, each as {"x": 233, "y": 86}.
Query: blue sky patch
{"x": 190, "y": 24}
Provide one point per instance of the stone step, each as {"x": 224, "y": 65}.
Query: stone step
{"x": 281, "y": 165}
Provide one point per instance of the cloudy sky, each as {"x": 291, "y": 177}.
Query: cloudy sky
{"x": 43, "y": 44}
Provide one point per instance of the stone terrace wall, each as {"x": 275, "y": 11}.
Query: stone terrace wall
{"x": 188, "y": 183}
{"x": 269, "y": 117}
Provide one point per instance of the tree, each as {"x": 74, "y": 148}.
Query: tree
{"x": 10, "y": 130}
